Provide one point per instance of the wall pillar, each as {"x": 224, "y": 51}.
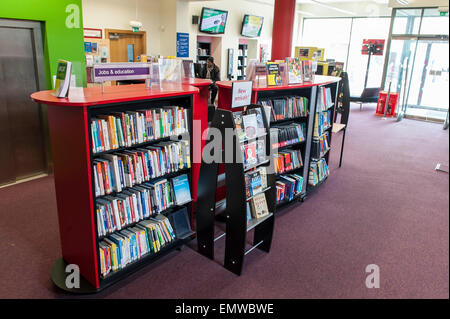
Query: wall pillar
{"x": 283, "y": 27}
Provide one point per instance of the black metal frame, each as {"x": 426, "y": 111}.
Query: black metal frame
{"x": 235, "y": 211}
{"x": 334, "y": 92}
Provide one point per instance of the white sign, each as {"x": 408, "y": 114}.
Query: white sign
{"x": 241, "y": 93}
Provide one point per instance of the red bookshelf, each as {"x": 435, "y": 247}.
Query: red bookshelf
{"x": 69, "y": 124}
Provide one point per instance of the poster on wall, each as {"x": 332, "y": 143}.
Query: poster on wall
{"x": 182, "y": 45}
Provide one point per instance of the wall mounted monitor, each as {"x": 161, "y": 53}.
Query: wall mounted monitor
{"x": 252, "y": 26}
{"x": 213, "y": 20}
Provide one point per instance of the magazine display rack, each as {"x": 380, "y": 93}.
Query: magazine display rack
{"x": 235, "y": 213}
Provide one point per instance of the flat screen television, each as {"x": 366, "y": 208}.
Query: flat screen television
{"x": 251, "y": 26}
{"x": 213, "y": 20}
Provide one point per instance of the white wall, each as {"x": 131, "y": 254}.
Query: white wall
{"x": 230, "y": 39}
{"x": 116, "y": 14}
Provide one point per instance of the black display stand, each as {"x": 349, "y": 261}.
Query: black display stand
{"x": 236, "y": 202}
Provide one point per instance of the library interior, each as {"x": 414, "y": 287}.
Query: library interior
{"x": 181, "y": 149}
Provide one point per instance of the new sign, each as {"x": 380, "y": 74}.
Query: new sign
{"x": 241, "y": 93}
{"x": 120, "y": 71}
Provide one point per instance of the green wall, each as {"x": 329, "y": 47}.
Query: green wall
{"x": 60, "y": 41}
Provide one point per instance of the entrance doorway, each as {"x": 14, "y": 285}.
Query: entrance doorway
{"x": 418, "y": 52}
{"x": 24, "y": 148}
{"x": 126, "y": 45}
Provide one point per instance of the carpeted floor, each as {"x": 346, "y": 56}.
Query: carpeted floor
{"x": 386, "y": 206}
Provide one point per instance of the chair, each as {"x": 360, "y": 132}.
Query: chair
{"x": 368, "y": 95}
{"x": 343, "y": 108}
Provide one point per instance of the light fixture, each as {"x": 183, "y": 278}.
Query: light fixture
{"x": 404, "y": 2}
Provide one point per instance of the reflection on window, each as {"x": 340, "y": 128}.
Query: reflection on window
{"x": 433, "y": 22}
{"x": 407, "y": 21}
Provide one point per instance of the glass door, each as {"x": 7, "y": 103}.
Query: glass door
{"x": 428, "y": 93}
{"x": 417, "y": 63}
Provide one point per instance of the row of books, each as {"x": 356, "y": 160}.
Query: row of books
{"x": 124, "y": 129}
{"x": 288, "y": 186}
{"x": 324, "y": 100}
{"x": 114, "y": 172}
{"x": 285, "y": 108}
{"x": 287, "y": 160}
{"x": 257, "y": 207}
{"x": 320, "y": 146}
{"x": 318, "y": 171}
{"x": 127, "y": 246}
{"x": 250, "y": 124}
{"x": 322, "y": 122}
{"x": 283, "y": 135}
{"x": 255, "y": 181}
{"x": 140, "y": 202}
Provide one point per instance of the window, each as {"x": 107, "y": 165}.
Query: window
{"x": 331, "y": 34}
{"x": 342, "y": 40}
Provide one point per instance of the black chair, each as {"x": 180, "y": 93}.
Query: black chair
{"x": 343, "y": 108}
{"x": 368, "y": 95}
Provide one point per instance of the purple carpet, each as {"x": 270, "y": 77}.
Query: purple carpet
{"x": 386, "y": 205}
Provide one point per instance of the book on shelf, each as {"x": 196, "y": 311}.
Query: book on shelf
{"x": 250, "y": 155}
{"x": 318, "y": 171}
{"x": 115, "y": 212}
{"x": 248, "y": 212}
{"x": 255, "y": 181}
{"x": 63, "y": 75}
{"x": 113, "y": 172}
{"x": 288, "y": 107}
{"x": 181, "y": 189}
{"x": 288, "y": 186}
{"x": 322, "y": 122}
{"x": 250, "y": 125}
{"x": 237, "y": 117}
{"x": 124, "y": 129}
{"x": 320, "y": 146}
{"x": 261, "y": 129}
{"x": 273, "y": 74}
{"x": 258, "y": 206}
{"x": 287, "y": 160}
{"x": 283, "y": 135}
{"x": 133, "y": 243}
{"x": 295, "y": 70}
{"x": 325, "y": 100}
